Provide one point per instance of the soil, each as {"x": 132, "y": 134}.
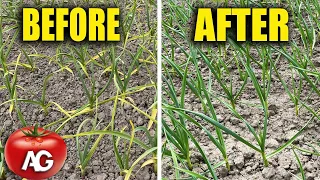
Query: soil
{"x": 66, "y": 90}
{"x": 282, "y": 125}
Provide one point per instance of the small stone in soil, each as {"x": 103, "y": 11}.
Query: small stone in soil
{"x": 283, "y": 173}
{"x": 120, "y": 178}
{"x": 102, "y": 176}
{"x": 284, "y": 161}
{"x": 272, "y": 143}
{"x": 268, "y": 173}
{"x": 239, "y": 161}
{"x": 309, "y": 166}
{"x": 223, "y": 172}
{"x": 310, "y": 176}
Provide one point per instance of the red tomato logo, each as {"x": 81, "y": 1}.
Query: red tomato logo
{"x": 35, "y": 153}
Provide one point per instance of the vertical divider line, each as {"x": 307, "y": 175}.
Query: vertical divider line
{"x": 159, "y": 90}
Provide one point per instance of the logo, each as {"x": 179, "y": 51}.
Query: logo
{"x": 35, "y": 161}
